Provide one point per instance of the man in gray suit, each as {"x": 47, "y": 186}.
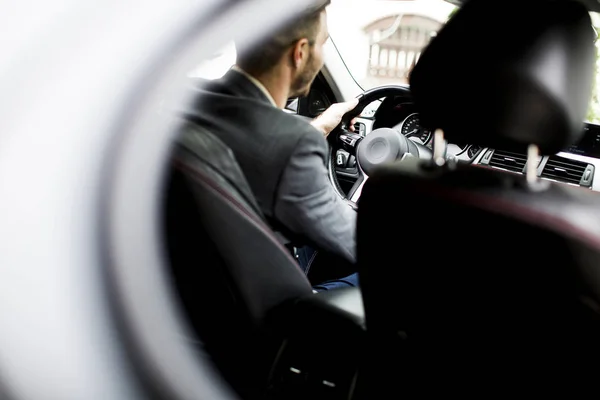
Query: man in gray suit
{"x": 283, "y": 156}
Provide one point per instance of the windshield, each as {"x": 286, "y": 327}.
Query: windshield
{"x": 381, "y": 40}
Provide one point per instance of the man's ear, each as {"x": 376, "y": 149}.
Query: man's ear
{"x": 300, "y": 52}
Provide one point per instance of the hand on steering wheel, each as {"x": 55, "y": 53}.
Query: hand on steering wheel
{"x": 332, "y": 117}
{"x": 380, "y": 146}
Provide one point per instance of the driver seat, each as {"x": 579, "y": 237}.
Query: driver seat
{"x": 247, "y": 299}
{"x": 505, "y": 295}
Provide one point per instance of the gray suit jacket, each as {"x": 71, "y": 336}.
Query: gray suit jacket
{"x": 284, "y": 160}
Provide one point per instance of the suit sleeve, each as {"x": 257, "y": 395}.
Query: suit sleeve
{"x": 307, "y": 204}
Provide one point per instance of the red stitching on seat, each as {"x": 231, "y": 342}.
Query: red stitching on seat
{"x": 205, "y": 179}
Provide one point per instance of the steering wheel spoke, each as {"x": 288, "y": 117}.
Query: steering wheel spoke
{"x": 356, "y": 189}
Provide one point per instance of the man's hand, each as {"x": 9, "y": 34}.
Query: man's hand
{"x": 332, "y": 117}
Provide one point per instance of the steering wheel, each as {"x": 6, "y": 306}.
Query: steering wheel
{"x": 382, "y": 145}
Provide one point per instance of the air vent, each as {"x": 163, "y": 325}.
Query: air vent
{"x": 570, "y": 171}
{"x": 508, "y": 160}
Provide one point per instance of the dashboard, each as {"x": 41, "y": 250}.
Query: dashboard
{"x": 399, "y": 112}
{"x": 576, "y": 165}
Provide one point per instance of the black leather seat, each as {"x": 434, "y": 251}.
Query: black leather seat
{"x": 243, "y": 292}
{"x": 496, "y": 286}
{"x": 229, "y": 268}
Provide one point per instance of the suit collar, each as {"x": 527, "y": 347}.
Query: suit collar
{"x": 240, "y": 82}
{"x": 256, "y": 83}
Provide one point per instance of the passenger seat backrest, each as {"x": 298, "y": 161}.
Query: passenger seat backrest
{"x": 504, "y": 294}
{"x": 493, "y": 287}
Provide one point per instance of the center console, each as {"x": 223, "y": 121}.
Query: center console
{"x": 589, "y": 145}
{"x": 320, "y": 356}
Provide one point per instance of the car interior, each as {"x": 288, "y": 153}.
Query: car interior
{"x": 478, "y": 234}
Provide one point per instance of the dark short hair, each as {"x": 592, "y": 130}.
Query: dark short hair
{"x": 262, "y": 57}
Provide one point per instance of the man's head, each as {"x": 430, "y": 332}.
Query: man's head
{"x": 298, "y": 47}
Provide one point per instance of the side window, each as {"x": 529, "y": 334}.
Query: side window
{"x": 292, "y": 106}
{"x": 217, "y": 65}
{"x": 593, "y": 114}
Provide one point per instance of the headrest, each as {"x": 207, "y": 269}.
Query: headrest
{"x": 509, "y": 73}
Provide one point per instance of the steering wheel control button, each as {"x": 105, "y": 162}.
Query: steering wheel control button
{"x": 341, "y": 160}
{"x": 351, "y": 162}
{"x": 360, "y": 128}
{"x": 349, "y": 141}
